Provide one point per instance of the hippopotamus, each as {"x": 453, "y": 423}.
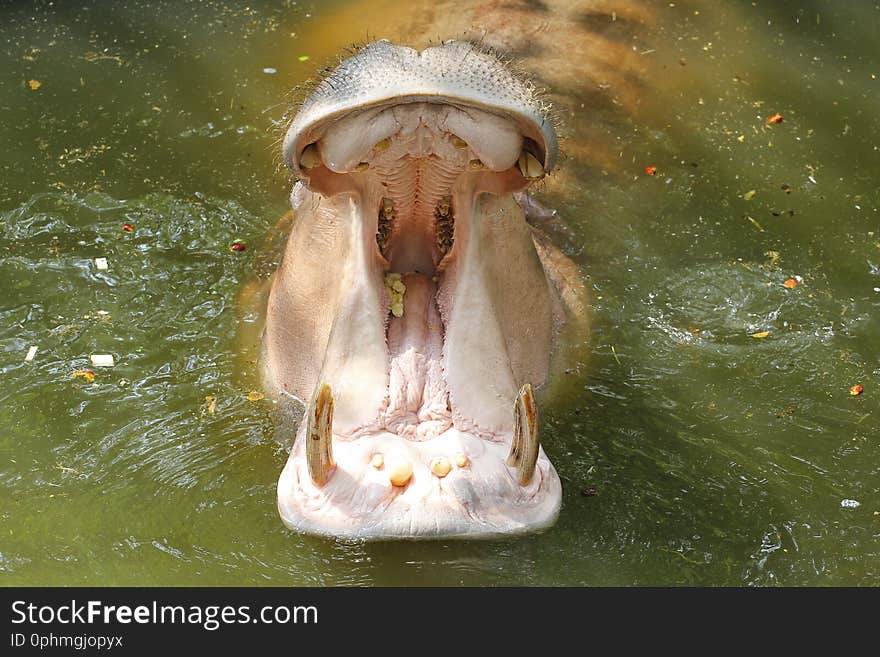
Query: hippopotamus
{"x": 415, "y": 308}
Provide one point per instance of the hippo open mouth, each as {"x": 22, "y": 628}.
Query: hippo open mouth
{"x": 412, "y": 311}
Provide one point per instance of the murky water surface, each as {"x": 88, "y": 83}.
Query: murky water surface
{"x": 717, "y": 456}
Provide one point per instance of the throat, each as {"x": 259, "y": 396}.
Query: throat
{"x": 418, "y": 402}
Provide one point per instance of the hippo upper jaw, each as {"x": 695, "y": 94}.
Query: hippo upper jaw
{"x": 411, "y": 308}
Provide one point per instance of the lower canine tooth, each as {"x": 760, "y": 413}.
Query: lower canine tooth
{"x": 319, "y": 437}
{"x": 524, "y": 450}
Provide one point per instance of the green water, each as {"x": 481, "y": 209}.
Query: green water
{"x": 717, "y": 458}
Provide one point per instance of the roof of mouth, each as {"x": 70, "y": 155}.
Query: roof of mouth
{"x": 456, "y": 72}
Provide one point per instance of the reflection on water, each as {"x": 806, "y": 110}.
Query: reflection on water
{"x": 709, "y": 407}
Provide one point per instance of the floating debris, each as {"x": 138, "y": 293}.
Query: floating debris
{"x": 749, "y": 195}
{"x": 255, "y": 396}
{"x": 773, "y": 119}
{"x": 850, "y": 504}
{"x": 856, "y": 390}
{"x": 34, "y": 84}
{"x": 270, "y": 71}
{"x": 127, "y": 227}
{"x": 209, "y": 407}
{"x": 303, "y": 58}
{"x": 87, "y": 375}
{"x": 760, "y": 334}
{"x": 790, "y": 283}
{"x": 30, "y": 354}
{"x": 101, "y": 263}
{"x": 589, "y": 492}
{"x": 102, "y": 360}
{"x": 651, "y": 170}
{"x": 238, "y": 246}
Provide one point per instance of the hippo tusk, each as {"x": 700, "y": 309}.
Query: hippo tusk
{"x": 524, "y": 450}
{"x": 319, "y": 443}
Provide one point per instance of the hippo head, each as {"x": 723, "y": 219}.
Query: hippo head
{"x": 411, "y": 313}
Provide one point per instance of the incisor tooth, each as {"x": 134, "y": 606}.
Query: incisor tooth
{"x": 529, "y": 166}
{"x": 399, "y": 470}
{"x": 524, "y": 450}
{"x": 319, "y": 437}
{"x": 310, "y": 157}
{"x": 440, "y": 466}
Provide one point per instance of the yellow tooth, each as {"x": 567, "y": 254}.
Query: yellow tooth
{"x": 310, "y": 157}
{"x": 319, "y": 437}
{"x": 524, "y": 450}
{"x": 475, "y": 164}
{"x": 458, "y": 142}
{"x": 383, "y": 145}
{"x": 440, "y": 466}
{"x": 461, "y": 460}
{"x": 529, "y": 166}
{"x": 377, "y": 461}
{"x": 363, "y": 166}
{"x": 399, "y": 470}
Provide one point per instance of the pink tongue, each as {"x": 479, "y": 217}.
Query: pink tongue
{"x": 418, "y": 407}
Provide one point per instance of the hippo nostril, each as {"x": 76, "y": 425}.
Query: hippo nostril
{"x": 458, "y": 142}
{"x": 529, "y": 166}
{"x": 310, "y": 157}
{"x": 362, "y": 166}
{"x": 382, "y": 145}
{"x": 476, "y": 165}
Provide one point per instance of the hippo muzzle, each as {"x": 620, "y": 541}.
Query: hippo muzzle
{"x": 411, "y": 312}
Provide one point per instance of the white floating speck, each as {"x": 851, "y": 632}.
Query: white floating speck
{"x": 102, "y": 360}
{"x": 850, "y": 504}
{"x": 102, "y": 313}
{"x": 877, "y": 289}
{"x": 812, "y": 180}
{"x": 270, "y": 71}
{"x": 101, "y": 263}
{"x": 30, "y": 354}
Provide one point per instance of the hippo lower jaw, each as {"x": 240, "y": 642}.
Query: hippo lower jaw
{"x": 412, "y": 309}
